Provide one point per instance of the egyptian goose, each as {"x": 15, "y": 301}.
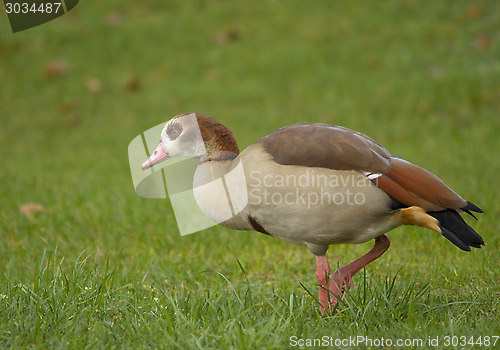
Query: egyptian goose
{"x": 315, "y": 185}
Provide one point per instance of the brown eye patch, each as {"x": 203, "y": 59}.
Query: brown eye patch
{"x": 173, "y": 131}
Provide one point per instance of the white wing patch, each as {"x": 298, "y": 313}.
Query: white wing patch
{"x": 372, "y": 176}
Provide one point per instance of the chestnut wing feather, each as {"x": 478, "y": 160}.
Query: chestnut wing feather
{"x": 424, "y": 184}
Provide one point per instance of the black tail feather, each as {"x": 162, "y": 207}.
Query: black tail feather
{"x": 454, "y": 239}
{"x": 455, "y": 229}
{"x": 470, "y": 213}
{"x": 470, "y": 207}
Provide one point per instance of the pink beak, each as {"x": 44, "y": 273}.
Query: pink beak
{"x": 158, "y": 155}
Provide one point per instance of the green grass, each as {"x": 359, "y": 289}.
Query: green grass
{"x": 101, "y": 267}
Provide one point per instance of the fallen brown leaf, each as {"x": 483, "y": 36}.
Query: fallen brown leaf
{"x": 482, "y": 42}
{"x": 373, "y": 63}
{"x": 31, "y": 209}
{"x": 114, "y": 18}
{"x": 93, "y": 85}
{"x": 56, "y": 68}
{"x": 72, "y": 121}
{"x": 132, "y": 84}
{"x": 226, "y": 36}
{"x": 67, "y": 107}
{"x": 474, "y": 11}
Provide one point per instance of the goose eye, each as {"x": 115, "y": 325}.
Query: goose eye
{"x": 174, "y": 131}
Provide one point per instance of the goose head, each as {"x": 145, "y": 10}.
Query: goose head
{"x": 194, "y": 135}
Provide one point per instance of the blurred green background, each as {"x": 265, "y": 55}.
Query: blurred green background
{"x": 421, "y": 78}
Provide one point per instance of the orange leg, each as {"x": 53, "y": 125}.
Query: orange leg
{"x": 331, "y": 291}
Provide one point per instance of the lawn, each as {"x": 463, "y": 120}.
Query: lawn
{"x": 86, "y": 263}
